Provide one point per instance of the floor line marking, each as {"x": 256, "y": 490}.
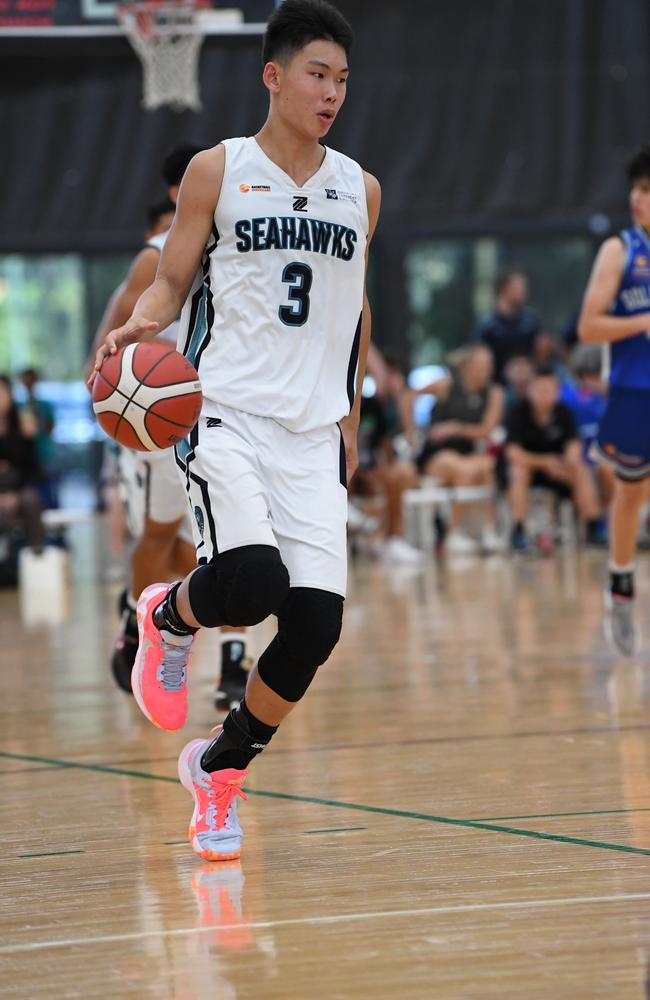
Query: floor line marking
{"x": 587, "y": 812}
{"x": 338, "y": 918}
{"x": 337, "y": 829}
{"x": 379, "y": 810}
{"x": 51, "y": 854}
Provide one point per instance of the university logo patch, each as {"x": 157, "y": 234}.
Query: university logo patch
{"x": 299, "y": 204}
{"x": 331, "y": 194}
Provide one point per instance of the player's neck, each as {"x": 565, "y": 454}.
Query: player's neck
{"x": 298, "y": 156}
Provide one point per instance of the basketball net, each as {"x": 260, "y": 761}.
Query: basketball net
{"x": 167, "y": 38}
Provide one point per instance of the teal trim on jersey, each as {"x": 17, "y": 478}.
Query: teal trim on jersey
{"x": 200, "y": 328}
{"x": 182, "y": 449}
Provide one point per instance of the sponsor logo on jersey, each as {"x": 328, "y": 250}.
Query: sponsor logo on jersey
{"x": 214, "y": 421}
{"x": 333, "y": 194}
{"x": 300, "y": 204}
{"x": 641, "y": 266}
{"x": 244, "y": 188}
{"x": 289, "y": 233}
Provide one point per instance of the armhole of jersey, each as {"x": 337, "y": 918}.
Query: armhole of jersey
{"x": 366, "y": 213}
{"x": 223, "y": 179}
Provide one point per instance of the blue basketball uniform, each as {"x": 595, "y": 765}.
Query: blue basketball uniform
{"x": 624, "y": 436}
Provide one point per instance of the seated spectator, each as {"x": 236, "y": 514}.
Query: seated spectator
{"x": 469, "y": 408}
{"x": 43, "y": 414}
{"x": 587, "y": 400}
{"x": 544, "y": 449}
{"x": 19, "y": 470}
{"x": 511, "y": 328}
{"x": 384, "y": 476}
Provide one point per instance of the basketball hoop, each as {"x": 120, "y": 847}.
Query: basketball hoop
{"x": 167, "y": 36}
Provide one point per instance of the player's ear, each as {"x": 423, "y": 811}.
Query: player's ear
{"x": 272, "y": 75}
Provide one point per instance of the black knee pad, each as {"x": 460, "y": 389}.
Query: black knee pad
{"x": 309, "y": 626}
{"x": 240, "y": 587}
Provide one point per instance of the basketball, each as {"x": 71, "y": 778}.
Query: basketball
{"x": 147, "y": 396}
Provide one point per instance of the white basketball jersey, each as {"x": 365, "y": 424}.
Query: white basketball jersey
{"x": 273, "y": 321}
{"x": 172, "y": 331}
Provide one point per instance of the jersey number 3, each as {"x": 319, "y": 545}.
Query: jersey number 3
{"x": 299, "y": 277}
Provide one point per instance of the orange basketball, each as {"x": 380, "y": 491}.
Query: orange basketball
{"x": 147, "y": 396}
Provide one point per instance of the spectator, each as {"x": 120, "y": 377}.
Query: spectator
{"x": 43, "y": 414}
{"x": 19, "y": 470}
{"x": 469, "y": 408}
{"x": 511, "y": 328}
{"x": 587, "y": 400}
{"x": 544, "y": 449}
{"x": 548, "y": 351}
{"x": 518, "y": 375}
{"x": 382, "y": 474}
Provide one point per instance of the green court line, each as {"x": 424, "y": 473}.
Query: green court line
{"x": 469, "y": 824}
{"x": 337, "y": 829}
{"x": 49, "y": 854}
{"x": 586, "y": 812}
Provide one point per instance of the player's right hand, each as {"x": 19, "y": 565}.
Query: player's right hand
{"x": 134, "y": 329}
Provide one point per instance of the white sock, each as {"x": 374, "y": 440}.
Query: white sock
{"x": 615, "y": 568}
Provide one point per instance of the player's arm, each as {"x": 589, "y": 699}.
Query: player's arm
{"x": 595, "y": 325}
{"x": 122, "y": 302}
{"x": 350, "y": 424}
{"x": 161, "y": 303}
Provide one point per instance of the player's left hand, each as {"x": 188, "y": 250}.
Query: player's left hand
{"x": 349, "y": 429}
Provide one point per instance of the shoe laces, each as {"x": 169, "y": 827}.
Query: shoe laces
{"x": 220, "y": 795}
{"x": 173, "y": 666}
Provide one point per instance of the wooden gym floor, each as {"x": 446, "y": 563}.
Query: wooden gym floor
{"x": 459, "y": 809}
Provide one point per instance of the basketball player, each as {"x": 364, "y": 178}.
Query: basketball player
{"x": 616, "y": 311}
{"x": 278, "y": 325}
{"x": 156, "y": 499}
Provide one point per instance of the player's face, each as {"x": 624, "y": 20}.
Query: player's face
{"x": 640, "y": 202}
{"x": 312, "y": 87}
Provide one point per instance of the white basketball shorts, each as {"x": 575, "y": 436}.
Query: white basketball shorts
{"x": 153, "y": 488}
{"x": 253, "y": 482}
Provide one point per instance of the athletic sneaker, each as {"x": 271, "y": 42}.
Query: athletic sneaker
{"x": 620, "y": 626}
{"x": 160, "y": 669}
{"x": 215, "y": 833}
{"x": 491, "y": 541}
{"x": 519, "y": 539}
{"x": 234, "y": 676}
{"x": 126, "y": 646}
{"x": 459, "y": 543}
{"x": 398, "y": 550}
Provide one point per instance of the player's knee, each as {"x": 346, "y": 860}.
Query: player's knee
{"x": 240, "y": 587}
{"x": 309, "y": 627}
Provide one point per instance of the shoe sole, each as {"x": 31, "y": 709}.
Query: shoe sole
{"x": 187, "y": 782}
{"x": 145, "y": 596}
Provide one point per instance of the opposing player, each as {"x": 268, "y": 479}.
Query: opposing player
{"x": 616, "y": 311}
{"x": 156, "y": 500}
{"x": 278, "y": 325}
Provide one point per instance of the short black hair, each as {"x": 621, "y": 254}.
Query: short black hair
{"x": 177, "y": 161}
{"x": 296, "y": 23}
{"x": 157, "y": 209}
{"x": 545, "y": 371}
{"x": 639, "y": 165}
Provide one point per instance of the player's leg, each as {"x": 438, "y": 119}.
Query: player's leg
{"x": 396, "y": 477}
{"x": 519, "y": 483}
{"x": 240, "y": 580}
{"x": 624, "y": 442}
{"x": 308, "y": 503}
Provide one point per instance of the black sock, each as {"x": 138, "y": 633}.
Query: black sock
{"x": 166, "y": 616}
{"x": 621, "y": 584}
{"x": 241, "y": 739}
